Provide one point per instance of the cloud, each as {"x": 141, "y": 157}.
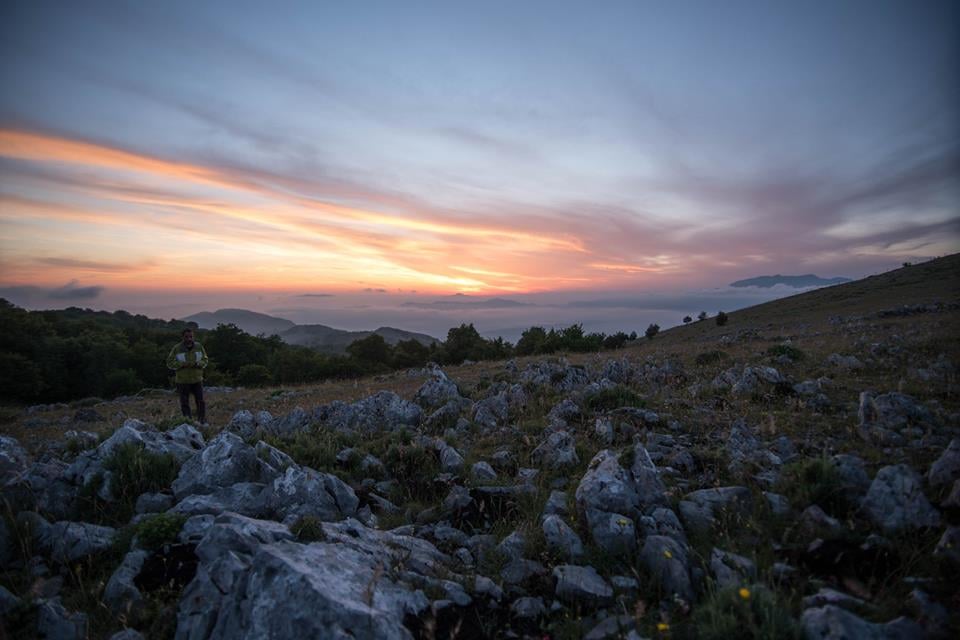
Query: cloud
{"x": 315, "y": 295}
{"x": 374, "y": 290}
{"x": 72, "y": 291}
{"x": 491, "y": 303}
{"x": 29, "y": 294}
{"x": 93, "y": 265}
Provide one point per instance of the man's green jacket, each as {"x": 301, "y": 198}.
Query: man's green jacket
{"x": 180, "y": 360}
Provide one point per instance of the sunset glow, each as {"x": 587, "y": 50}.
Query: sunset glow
{"x": 515, "y": 151}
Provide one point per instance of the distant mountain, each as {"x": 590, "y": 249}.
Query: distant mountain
{"x": 798, "y": 282}
{"x": 330, "y": 340}
{"x": 315, "y": 336}
{"x": 250, "y": 321}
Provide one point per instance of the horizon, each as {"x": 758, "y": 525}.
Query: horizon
{"x": 362, "y": 160}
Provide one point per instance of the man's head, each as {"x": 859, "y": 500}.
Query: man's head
{"x": 187, "y": 337}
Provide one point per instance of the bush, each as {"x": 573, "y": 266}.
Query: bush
{"x": 614, "y": 398}
{"x": 308, "y": 529}
{"x": 710, "y": 357}
{"x": 702, "y": 315}
{"x": 414, "y": 467}
{"x": 652, "y": 330}
{"x": 746, "y": 612}
{"x": 687, "y": 319}
{"x": 156, "y": 531}
{"x": 786, "y": 350}
{"x": 134, "y": 471}
{"x": 253, "y": 375}
{"x": 814, "y": 481}
{"x": 721, "y": 319}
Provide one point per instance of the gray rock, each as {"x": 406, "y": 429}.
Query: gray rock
{"x": 563, "y": 413}
{"x": 896, "y": 501}
{"x": 649, "y": 487}
{"x": 127, "y": 634}
{"x": 492, "y": 412}
{"x": 383, "y": 411}
{"x": 253, "y": 582}
{"x": 483, "y": 472}
{"x": 556, "y": 504}
{"x": 700, "y": 508}
{"x": 667, "y": 560}
{"x": 779, "y": 504}
{"x": 450, "y": 460}
{"x": 13, "y": 459}
{"x": 946, "y": 469}
{"x": 246, "y": 498}
{"x": 952, "y": 501}
{"x": 528, "y": 608}
{"x": 932, "y": 615}
{"x": 297, "y": 421}
{"x": 613, "y": 532}
{"x": 521, "y": 571}
{"x": 582, "y": 586}
{"x": 458, "y": 499}
{"x": 277, "y": 459}
{"x": 831, "y": 622}
{"x": 225, "y": 461}
{"x": 437, "y": 391}
{"x": 8, "y": 601}
{"x": 624, "y": 584}
{"x": 603, "y": 431}
{"x": 826, "y": 596}
{"x": 243, "y": 423}
{"x": 195, "y": 528}
{"x": 815, "y": 523}
{"x": 612, "y": 628}
{"x": 730, "y": 569}
{"x": 121, "y": 594}
{"x": 301, "y": 491}
{"x": 854, "y": 480}
{"x": 504, "y": 460}
{"x": 561, "y": 539}
{"x": 890, "y": 412}
{"x": 154, "y": 502}
{"x": 844, "y": 362}
{"x": 70, "y": 541}
{"x": 948, "y": 547}
{"x": 513, "y": 546}
{"x": 606, "y": 486}
{"x": 557, "y": 451}
{"x": 663, "y": 522}
{"x": 54, "y": 622}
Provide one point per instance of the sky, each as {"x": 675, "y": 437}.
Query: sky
{"x": 354, "y": 163}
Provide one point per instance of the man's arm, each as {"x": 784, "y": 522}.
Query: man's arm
{"x": 172, "y": 362}
{"x": 204, "y": 360}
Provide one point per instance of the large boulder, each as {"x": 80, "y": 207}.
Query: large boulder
{"x": 561, "y": 539}
{"x": 301, "y": 491}
{"x": 883, "y": 416}
{"x": 946, "y": 469}
{"x": 667, "y": 560}
{"x": 438, "y": 391}
{"x": 831, "y": 622}
{"x": 121, "y": 595}
{"x": 493, "y": 411}
{"x": 13, "y": 459}
{"x": 383, "y": 411}
{"x": 71, "y": 541}
{"x": 253, "y": 581}
{"x": 558, "y": 451}
{"x": 582, "y": 586}
{"x": 895, "y": 501}
{"x": 182, "y": 442}
{"x": 225, "y": 461}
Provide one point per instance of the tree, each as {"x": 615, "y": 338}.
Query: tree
{"x": 633, "y": 335}
{"x": 253, "y": 375}
{"x": 410, "y": 353}
{"x": 372, "y": 351}
{"x": 687, "y": 319}
{"x": 702, "y": 315}
{"x": 464, "y": 343}
{"x": 652, "y": 330}
{"x": 532, "y": 341}
{"x": 721, "y": 319}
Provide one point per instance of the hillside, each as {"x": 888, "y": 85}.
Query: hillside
{"x": 793, "y": 473}
{"x": 799, "y": 282}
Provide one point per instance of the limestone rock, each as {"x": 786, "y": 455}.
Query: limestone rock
{"x": 896, "y": 501}
{"x": 667, "y": 560}
{"x": 582, "y": 586}
{"x": 225, "y": 461}
{"x": 946, "y": 469}
{"x": 561, "y": 538}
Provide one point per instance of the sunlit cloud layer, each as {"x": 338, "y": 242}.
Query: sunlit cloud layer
{"x": 318, "y": 151}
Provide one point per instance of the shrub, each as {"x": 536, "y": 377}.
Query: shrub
{"x": 652, "y": 330}
{"x": 786, "y": 350}
{"x": 613, "y": 398}
{"x": 814, "y": 481}
{"x": 702, "y": 315}
{"x": 687, "y": 319}
{"x": 414, "y": 467}
{"x": 710, "y": 357}
{"x": 721, "y": 319}
{"x": 308, "y": 529}
{"x": 253, "y": 375}
{"x": 156, "y": 531}
{"x": 741, "y": 612}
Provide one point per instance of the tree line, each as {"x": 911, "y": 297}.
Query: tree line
{"x": 67, "y": 354}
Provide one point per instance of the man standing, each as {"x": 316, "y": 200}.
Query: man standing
{"x": 189, "y": 359}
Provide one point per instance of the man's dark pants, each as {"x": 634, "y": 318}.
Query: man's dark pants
{"x": 195, "y": 388}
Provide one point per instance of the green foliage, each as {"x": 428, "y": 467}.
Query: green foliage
{"x": 308, "y": 529}
{"x": 253, "y": 375}
{"x": 721, "y": 319}
{"x": 414, "y": 468}
{"x": 710, "y": 357}
{"x": 687, "y": 319}
{"x": 702, "y": 315}
{"x": 814, "y": 481}
{"x": 155, "y": 531}
{"x": 786, "y": 350}
{"x": 410, "y": 353}
{"x": 749, "y": 612}
{"x": 317, "y": 450}
{"x": 613, "y": 398}
{"x": 652, "y": 330}
{"x": 372, "y": 352}
{"x": 134, "y": 471}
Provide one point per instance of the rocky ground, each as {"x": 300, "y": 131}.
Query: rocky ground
{"x": 790, "y": 478}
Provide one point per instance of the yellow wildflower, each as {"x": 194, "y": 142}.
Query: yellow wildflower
{"x": 667, "y": 554}
{"x": 663, "y": 627}
{"x": 744, "y": 593}
{"x": 622, "y": 522}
